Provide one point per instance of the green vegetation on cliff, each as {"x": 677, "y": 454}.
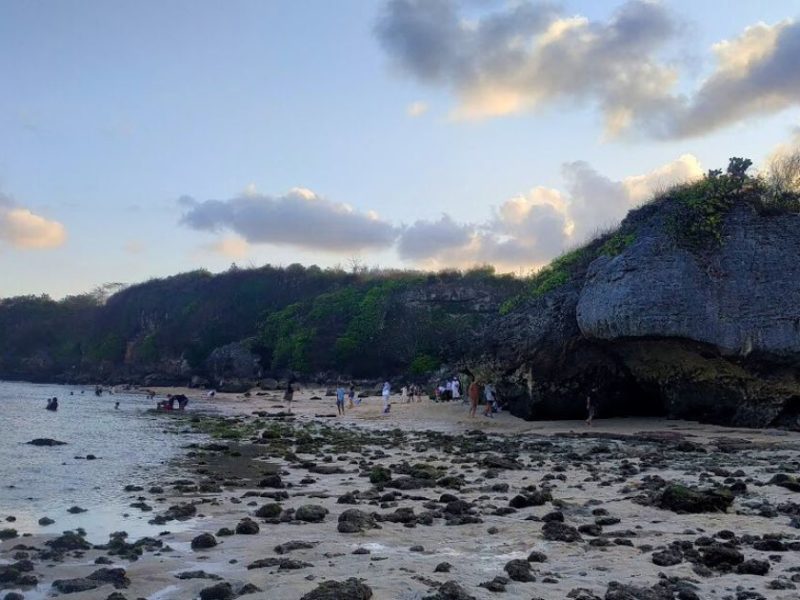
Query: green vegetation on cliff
{"x": 695, "y": 215}
{"x": 298, "y": 319}
{"x": 271, "y": 321}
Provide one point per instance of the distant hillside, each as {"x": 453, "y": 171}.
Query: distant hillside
{"x": 245, "y": 324}
{"x": 690, "y": 309}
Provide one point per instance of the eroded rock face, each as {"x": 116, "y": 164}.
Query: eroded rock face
{"x": 742, "y": 299}
{"x": 662, "y": 329}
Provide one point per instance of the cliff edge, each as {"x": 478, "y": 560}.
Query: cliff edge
{"x": 690, "y": 310}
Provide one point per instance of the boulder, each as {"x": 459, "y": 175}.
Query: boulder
{"x": 268, "y": 384}
{"x": 46, "y": 442}
{"x": 560, "y": 532}
{"x": 247, "y": 527}
{"x": 234, "y": 364}
{"x": 350, "y": 589}
{"x": 115, "y": 576}
{"x": 450, "y": 590}
{"x": 204, "y": 541}
{"x": 219, "y": 591}
{"x": 311, "y": 513}
{"x": 73, "y": 586}
{"x": 682, "y": 499}
{"x": 721, "y": 557}
{"x": 519, "y": 570}
{"x": 354, "y": 520}
{"x": 272, "y": 510}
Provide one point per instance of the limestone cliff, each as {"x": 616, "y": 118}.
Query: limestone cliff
{"x": 651, "y": 322}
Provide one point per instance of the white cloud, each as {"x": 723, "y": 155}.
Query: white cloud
{"x": 299, "y": 218}
{"x": 525, "y": 231}
{"x": 416, "y": 109}
{"x": 527, "y": 55}
{"x": 531, "y": 229}
{"x": 425, "y": 239}
{"x": 640, "y": 188}
{"x": 23, "y": 229}
{"x": 756, "y": 74}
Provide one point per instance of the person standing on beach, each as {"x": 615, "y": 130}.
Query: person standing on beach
{"x": 288, "y": 396}
{"x": 488, "y": 394}
{"x": 417, "y": 392}
{"x": 474, "y": 393}
{"x": 340, "y": 400}
{"x": 351, "y": 395}
{"x": 385, "y": 392}
{"x": 591, "y": 406}
{"x": 456, "y": 389}
{"x": 404, "y": 394}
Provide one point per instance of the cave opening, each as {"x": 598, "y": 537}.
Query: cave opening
{"x": 789, "y": 417}
{"x": 630, "y": 398}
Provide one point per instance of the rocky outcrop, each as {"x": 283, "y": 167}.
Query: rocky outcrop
{"x": 661, "y": 328}
{"x": 234, "y": 362}
{"x": 743, "y": 299}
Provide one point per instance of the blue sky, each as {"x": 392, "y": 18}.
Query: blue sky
{"x": 111, "y": 112}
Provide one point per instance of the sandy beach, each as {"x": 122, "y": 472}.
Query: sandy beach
{"x": 427, "y": 502}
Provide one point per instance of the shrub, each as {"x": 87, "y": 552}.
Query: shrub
{"x": 554, "y": 275}
{"x": 423, "y": 363}
{"x": 617, "y": 243}
{"x": 782, "y": 182}
{"x": 702, "y": 205}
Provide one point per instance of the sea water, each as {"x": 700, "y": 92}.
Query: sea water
{"x": 132, "y": 446}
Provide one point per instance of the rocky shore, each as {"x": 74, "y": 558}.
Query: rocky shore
{"x": 428, "y": 503}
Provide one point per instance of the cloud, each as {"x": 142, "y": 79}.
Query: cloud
{"x": 424, "y": 239}
{"x": 792, "y": 146}
{"x": 528, "y": 55}
{"x": 640, "y": 188}
{"x": 416, "y": 109}
{"x": 531, "y": 229}
{"x": 756, "y": 74}
{"x": 230, "y": 247}
{"x": 525, "y": 231}
{"x": 21, "y": 228}
{"x": 299, "y": 218}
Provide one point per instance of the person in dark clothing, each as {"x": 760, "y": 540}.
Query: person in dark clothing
{"x": 288, "y": 396}
{"x": 591, "y": 406}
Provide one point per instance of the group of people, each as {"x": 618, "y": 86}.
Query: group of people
{"x": 448, "y": 390}
{"x": 411, "y": 393}
{"x": 492, "y": 405}
{"x": 52, "y": 404}
{"x": 172, "y": 399}
{"x": 408, "y": 393}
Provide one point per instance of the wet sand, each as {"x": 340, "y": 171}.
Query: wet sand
{"x": 444, "y": 495}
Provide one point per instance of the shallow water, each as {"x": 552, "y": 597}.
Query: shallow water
{"x": 131, "y": 446}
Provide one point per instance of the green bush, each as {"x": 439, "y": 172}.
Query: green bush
{"x": 702, "y": 205}
{"x": 553, "y": 276}
{"x": 617, "y": 243}
{"x": 423, "y": 363}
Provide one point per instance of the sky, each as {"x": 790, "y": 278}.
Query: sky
{"x": 140, "y": 139}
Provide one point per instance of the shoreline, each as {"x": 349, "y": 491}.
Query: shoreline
{"x": 322, "y": 460}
